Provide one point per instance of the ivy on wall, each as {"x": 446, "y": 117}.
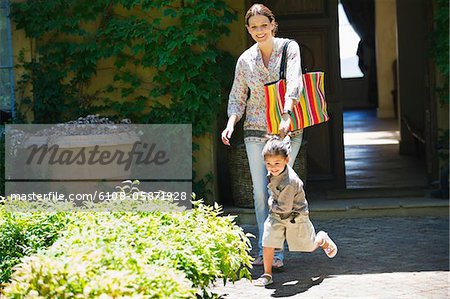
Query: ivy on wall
{"x": 439, "y": 51}
{"x": 440, "y": 45}
{"x": 152, "y": 61}
{"x": 144, "y": 50}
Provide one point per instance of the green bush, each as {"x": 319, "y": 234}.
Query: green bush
{"x": 140, "y": 254}
{"x": 23, "y": 234}
{"x": 94, "y": 274}
{"x": 2, "y": 162}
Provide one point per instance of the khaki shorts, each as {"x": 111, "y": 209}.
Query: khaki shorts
{"x": 300, "y": 235}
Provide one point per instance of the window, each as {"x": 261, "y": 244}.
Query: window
{"x": 348, "y": 45}
{"x": 6, "y": 62}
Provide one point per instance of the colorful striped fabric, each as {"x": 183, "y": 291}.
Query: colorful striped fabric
{"x": 310, "y": 110}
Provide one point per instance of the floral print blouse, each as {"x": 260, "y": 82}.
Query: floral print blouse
{"x": 251, "y": 75}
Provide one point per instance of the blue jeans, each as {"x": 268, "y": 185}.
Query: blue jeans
{"x": 258, "y": 173}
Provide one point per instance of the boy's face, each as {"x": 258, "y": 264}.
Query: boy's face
{"x": 275, "y": 164}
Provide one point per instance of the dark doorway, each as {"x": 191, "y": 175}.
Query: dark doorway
{"x": 372, "y": 140}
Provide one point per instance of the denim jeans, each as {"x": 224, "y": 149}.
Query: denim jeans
{"x": 258, "y": 173}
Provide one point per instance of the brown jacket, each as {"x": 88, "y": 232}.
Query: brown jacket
{"x": 287, "y": 194}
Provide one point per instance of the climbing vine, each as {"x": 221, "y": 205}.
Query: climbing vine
{"x": 152, "y": 61}
{"x": 439, "y": 51}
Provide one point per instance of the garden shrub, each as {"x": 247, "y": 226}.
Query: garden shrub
{"x": 23, "y": 234}
{"x": 2, "y": 162}
{"x": 92, "y": 274}
{"x": 139, "y": 254}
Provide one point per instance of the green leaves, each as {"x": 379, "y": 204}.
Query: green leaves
{"x": 170, "y": 12}
{"x": 98, "y": 57}
{"x": 22, "y": 234}
{"x": 439, "y": 47}
{"x": 140, "y": 255}
{"x": 173, "y": 43}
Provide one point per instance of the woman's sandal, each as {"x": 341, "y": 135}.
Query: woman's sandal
{"x": 264, "y": 280}
{"x": 331, "y": 250}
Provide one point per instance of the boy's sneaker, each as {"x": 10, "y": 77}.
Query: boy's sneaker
{"x": 331, "y": 249}
{"x": 264, "y": 280}
{"x": 259, "y": 261}
{"x": 277, "y": 263}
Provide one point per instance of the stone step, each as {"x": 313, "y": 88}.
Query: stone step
{"x": 360, "y": 208}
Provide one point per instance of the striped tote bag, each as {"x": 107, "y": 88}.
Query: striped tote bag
{"x": 311, "y": 108}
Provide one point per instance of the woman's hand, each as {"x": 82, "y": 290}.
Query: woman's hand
{"x": 226, "y": 135}
{"x": 285, "y": 123}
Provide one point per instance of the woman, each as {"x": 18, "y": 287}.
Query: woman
{"x": 258, "y": 65}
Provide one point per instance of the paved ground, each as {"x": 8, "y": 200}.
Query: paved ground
{"x": 395, "y": 257}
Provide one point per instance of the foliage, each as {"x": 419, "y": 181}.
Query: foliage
{"x": 141, "y": 255}
{"x": 142, "y": 50}
{"x": 440, "y": 53}
{"x": 22, "y": 234}
{"x": 96, "y": 274}
{"x": 440, "y": 46}
{"x": 149, "y": 61}
{"x": 2, "y": 161}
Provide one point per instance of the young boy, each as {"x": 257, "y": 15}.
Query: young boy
{"x": 288, "y": 210}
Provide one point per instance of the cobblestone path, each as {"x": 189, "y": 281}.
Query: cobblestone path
{"x": 383, "y": 257}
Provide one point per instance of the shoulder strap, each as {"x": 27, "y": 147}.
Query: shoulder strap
{"x": 283, "y": 60}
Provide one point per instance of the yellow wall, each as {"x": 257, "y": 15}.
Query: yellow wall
{"x": 386, "y": 53}
{"x": 235, "y": 43}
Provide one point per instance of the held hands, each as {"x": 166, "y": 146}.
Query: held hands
{"x": 284, "y": 125}
{"x": 285, "y": 122}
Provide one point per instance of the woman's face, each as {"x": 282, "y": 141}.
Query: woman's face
{"x": 260, "y": 28}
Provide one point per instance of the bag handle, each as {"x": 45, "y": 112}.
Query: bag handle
{"x": 284, "y": 60}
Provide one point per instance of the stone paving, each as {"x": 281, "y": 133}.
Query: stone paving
{"x": 386, "y": 257}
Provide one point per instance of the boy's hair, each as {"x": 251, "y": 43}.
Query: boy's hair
{"x": 275, "y": 146}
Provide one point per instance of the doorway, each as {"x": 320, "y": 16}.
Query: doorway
{"x": 371, "y": 125}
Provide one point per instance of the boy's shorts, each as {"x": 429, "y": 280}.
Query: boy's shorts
{"x": 300, "y": 235}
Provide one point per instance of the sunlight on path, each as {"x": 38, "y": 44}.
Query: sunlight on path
{"x": 427, "y": 284}
{"x": 372, "y": 138}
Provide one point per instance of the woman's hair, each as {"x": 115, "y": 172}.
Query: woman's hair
{"x": 260, "y": 9}
{"x": 275, "y": 146}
